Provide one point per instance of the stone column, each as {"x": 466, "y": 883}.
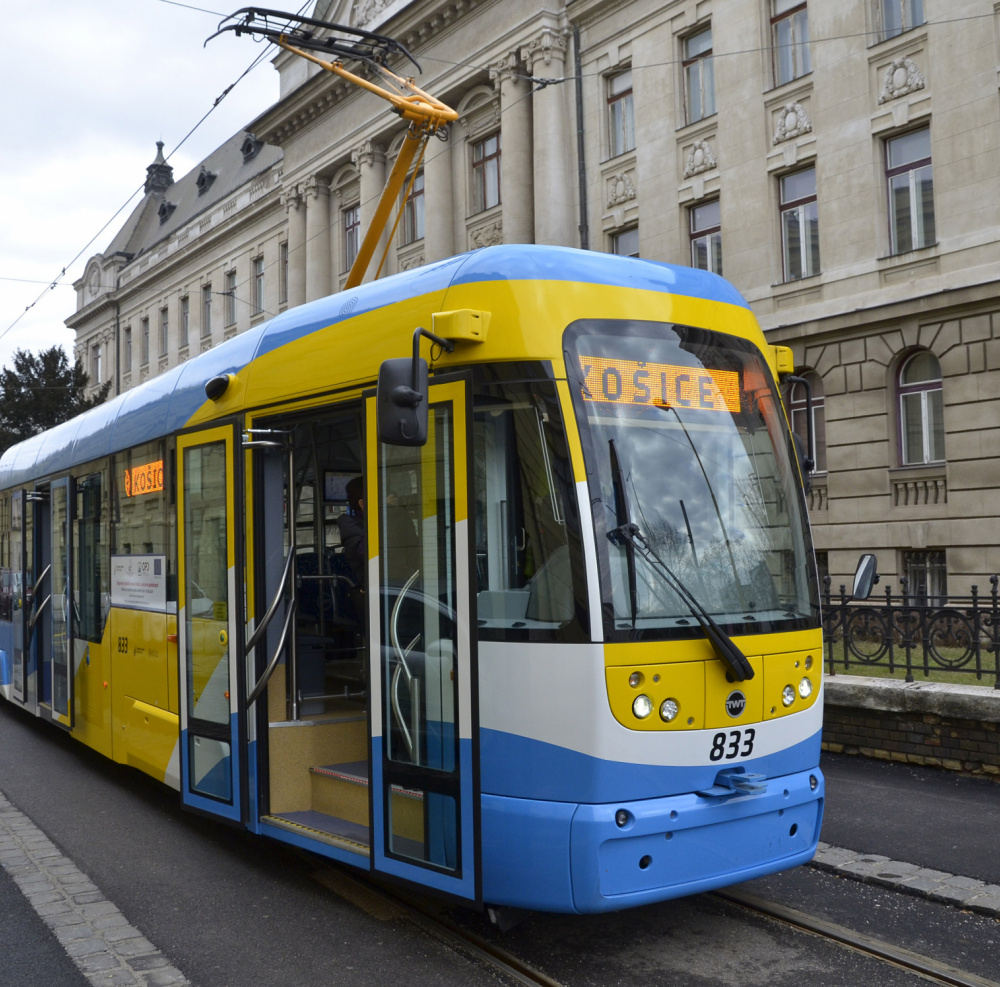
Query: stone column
{"x": 295, "y": 205}
{"x": 369, "y": 159}
{"x": 554, "y": 159}
{"x": 516, "y": 182}
{"x": 317, "y": 197}
{"x": 440, "y": 206}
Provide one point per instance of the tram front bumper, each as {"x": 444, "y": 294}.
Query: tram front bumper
{"x": 593, "y": 858}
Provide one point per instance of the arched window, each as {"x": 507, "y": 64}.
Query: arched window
{"x": 921, "y": 410}
{"x": 797, "y": 407}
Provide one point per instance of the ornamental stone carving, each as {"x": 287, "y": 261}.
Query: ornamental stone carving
{"x": 621, "y": 189}
{"x": 700, "y": 158}
{"x": 901, "y": 77}
{"x": 410, "y": 262}
{"x": 365, "y": 11}
{"x": 367, "y": 154}
{"x": 793, "y": 121}
{"x": 487, "y": 236}
{"x": 548, "y": 47}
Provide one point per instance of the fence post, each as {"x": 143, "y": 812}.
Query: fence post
{"x": 995, "y": 630}
{"x": 890, "y": 626}
{"x": 907, "y": 635}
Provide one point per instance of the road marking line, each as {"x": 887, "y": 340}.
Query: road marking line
{"x": 98, "y": 938}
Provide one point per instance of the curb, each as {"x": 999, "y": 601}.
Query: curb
{"x": 897, "y": 875}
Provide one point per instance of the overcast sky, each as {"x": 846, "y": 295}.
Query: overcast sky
{"x": 89, "y": 87}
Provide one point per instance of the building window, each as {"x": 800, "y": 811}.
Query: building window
{"x": 127, "y": 356}
{"x": 921, "y": 410}
{"x": 898, "y": 16}
{"x": 258, "y": 285}
{"x": 352, "y": 235}
{"x": 706, "y": 236}
{"x": 283, "y": 273}
{"x": 413, "y": 212}
{"x": 911, "y": 191}
{"x": 185, "y": 322}
{"x": 798, "y": 407}
{"x": 621, "y": 120}
{"x": 206, "y": 311}
{"x": 790, "y": 40}
{"x": 799, "y": 225}
{"x": 95, "y": 364}
{"x": 926, "y": 575}
{"x": 486, "y": 173}
{"x": 164, "y": 331}
{"x": 699, "y": 76}
{"x": 626, "y": 243}
{"x": 230, "y": 294}
{"x": 144, "y": 341}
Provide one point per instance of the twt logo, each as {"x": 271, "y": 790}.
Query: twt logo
{"x": 736, "y": 702}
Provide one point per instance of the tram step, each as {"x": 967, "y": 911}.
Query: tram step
{"x": 342, "y": 790}
{"x": 326, "y": 829}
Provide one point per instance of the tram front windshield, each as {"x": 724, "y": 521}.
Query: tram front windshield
{"x": 685, "y": 439}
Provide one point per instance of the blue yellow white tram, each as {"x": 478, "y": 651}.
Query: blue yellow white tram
{"x": 483, "y": 667}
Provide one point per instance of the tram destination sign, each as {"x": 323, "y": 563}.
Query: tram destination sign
{"x": 612, "y": 381}
{"x": 144, "y": 479}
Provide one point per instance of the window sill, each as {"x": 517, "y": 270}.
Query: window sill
{"x": 799, "y": 80}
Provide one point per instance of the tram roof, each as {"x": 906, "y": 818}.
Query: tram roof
{"x": 166, "y": 403}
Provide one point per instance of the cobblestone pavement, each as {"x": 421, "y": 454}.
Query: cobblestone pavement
{"x": 98, "y": 938}
{"x": 938, "y": 885}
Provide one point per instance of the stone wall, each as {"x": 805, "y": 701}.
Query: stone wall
{"x": 928, "y": 723}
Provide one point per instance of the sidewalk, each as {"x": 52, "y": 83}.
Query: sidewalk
{"x": 922, "y": 831}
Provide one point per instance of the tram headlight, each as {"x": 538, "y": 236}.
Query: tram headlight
{"x": 787, "y": 696}
{"x": 805, "y": 688}
{"x": 642, "y": 706}
{"x": 669, "y": 709}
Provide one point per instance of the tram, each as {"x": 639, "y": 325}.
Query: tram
{"x": 493, "y": 577}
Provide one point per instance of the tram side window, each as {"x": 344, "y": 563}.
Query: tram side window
{"x": 91, "y": 556}
{"x": 527, "y": 529}
{"x": 143, "y": 516}
{"x": 6, "y": 565}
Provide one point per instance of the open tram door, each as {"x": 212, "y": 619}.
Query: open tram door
{"x": 209, "y": 623}
{"x": 423, "y": 720}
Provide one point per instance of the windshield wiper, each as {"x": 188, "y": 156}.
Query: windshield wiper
{"x": 725, "y": 648}
{"x": 623, "y": 519}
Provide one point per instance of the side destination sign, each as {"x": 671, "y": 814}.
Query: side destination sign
{"x": 144, "y": 479}
{"x": 659, "y": 384}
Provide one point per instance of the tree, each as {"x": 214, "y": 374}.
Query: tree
{"x": 40, "y": 391}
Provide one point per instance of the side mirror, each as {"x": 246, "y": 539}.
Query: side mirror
{"x": 401, "y": 401}
{"x": 865, "y": 577}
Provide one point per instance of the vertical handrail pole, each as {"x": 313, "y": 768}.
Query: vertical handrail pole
{"x": 293, "y": 651}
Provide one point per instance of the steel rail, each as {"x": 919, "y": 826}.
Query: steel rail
{"x": 942, "y": 973}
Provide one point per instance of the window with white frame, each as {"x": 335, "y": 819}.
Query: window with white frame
{"x": 164, "y": 330}
{"x": 413, "y": 211}
{"x": 897, "y": 16}
{"x": 926, "y": 575}
{"x": 621, "y": 119}
{"x": 185, "y": 322}
{"x": 351, "y": 217}
{"x": 206, "y": 311}
{"x": 910, "y": 184}
{"x": 144, "y": 341}
{"x": 790, "y": 40}
{"x": 799, "y": 408}
{"x": 699, "y": 76}
{"x": 230, "y": 294}
{"x": 706, "y": 236}
{"x": 799, "y": 224}
{"x": 626, "y": 243}
{"x": 921, "y": 410}
{"x": 258, "y": 285}
{"x": 486, "y": 173}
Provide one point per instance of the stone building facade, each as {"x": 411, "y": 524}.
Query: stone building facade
{"x": 835, "y": 159}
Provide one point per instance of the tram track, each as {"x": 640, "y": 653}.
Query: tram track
{"x": 925, "y": 966}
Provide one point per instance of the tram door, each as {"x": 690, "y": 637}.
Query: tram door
{"x": 424, "y": 785}
{"x": 210, "y": 606}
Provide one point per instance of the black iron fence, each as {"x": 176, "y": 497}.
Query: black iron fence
{"x": 921, "y": 636}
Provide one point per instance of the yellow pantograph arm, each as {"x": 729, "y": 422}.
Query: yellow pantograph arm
{"x": 425, "y": 113}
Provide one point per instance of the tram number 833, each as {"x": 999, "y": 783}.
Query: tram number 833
{"x": 740, "y": 744}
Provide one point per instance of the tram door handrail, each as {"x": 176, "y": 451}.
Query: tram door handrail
{"x": 37, "y": 611}
{"x": 411, "y": 733}
{"x": 258, "y": 633}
